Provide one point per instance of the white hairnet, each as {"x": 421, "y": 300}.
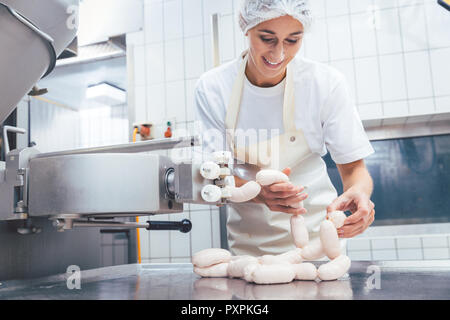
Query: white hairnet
{"x": 253, "y": 12}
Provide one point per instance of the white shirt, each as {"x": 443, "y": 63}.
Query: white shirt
{"x": 324, "y": 109}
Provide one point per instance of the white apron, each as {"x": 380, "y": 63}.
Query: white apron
{"x": 253, "y": 229}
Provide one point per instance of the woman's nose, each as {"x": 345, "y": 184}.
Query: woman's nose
{"x": 278, "y": 53}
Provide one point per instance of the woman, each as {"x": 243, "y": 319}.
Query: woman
{"x": 298, "y": 109}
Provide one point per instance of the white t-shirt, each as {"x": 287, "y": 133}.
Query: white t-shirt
{"x": 324, "y": 109}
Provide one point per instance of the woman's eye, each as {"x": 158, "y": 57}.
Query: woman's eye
{"x": 268, "y": 40}
{"x": 292, "y": 41}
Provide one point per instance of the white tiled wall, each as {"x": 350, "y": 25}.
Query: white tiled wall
{"x": 394, "y": 53}
{"x": 409, "y": 242}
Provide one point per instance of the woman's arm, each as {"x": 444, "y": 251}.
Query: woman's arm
{"x": 358, "y": 187}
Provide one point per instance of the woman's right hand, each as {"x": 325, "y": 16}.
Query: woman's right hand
{"x": 280, "y": 196}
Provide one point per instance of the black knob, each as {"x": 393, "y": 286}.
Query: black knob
{"x": 186, "y": 226}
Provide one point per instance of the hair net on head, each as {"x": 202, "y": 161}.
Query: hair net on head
{"x": 253, "y": 12}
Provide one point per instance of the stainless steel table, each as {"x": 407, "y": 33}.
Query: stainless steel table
{"x": 391, "y": 280}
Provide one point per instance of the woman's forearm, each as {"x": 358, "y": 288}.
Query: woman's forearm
{"x": 356, "y": 176}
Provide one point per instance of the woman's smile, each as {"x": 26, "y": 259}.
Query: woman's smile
{"x": 272, "y": 65}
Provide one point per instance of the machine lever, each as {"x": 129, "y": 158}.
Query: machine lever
{"x": 183, "y": 226}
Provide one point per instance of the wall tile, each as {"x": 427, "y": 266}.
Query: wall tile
{"x": 407, "y": 243}
{"x": 383, "y": 244}
{"x": 396, "y": 109}
{"x": 443, "y": 104}
{"x": 412, "y": 20}
{"x": 156, "y": 103}
{"x": 359, "y": 255}
{"x": 367, "y": 80}
{"x": 180, "y": 241}
{"x": 335, "y": 8}
{"x": 211, "y": 7}
{"x": 358, "y": 244}
{"x": 318, "y": 8}
{"x": 393, "y": 82}
{"x": 358, "y": 6}
{"x": 190, "y": 99}
{"x": 153, "y": 22}
{"x": 363, "y": 35}
{"x": 140, "y": 103}
{"x": 159, "y": 240}
{"x": 370, "y": 111}
{"x": 410, "y": 254}
{"x": 440, "y": 66}
{"x": 384, "y": 4}
{"x": 388, "y": 32}
{"x": 436, "y": 253}
{"x": 194, "y": 58}
{"x": 201, "y": 230}
{"x": 176, "y": 101}
{"x": 173, "y": 20}
{"x": 174, "y": 64}
{"x": 421, "y": 106}
{"x": 437, "y": 18}
{"x": 192, "y": 17}
{"x": 316, "y": 42}
{"x": 226, "y": 38}
{"x": 384, "y": 255}
{"x": 435, "y": 242}
{"x": 340, "y": 44}
{"x": 155, "y": 63}
{"x": 418, "y": 75}
{"x": 139, "y": 65}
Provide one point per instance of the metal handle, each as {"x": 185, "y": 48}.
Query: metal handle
{"x": 183, "y": 226}
{"x": 7, "y": 129}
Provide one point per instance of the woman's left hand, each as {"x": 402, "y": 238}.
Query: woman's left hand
{"x": 361, "y": 207}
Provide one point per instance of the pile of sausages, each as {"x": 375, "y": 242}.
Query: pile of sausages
{"x": 285, "y": 267}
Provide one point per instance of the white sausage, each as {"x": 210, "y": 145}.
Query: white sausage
{"x": 246, "y": 192}
{"x": 273, "y": 273}
{"x": 338, "y": 218}
{"x": 218, "y": 270}
{"x": 305, "y": 271}
{"x": 292, "y": 256}
{"x": 313, "y": 250}
{"x": 248, "y": 271}
{"x": 236, "y": 267}
{"x": 211, "y": 256}
{"x": 269, "y": 176}
{"x": 329, "y": 239}
{"x": 334, "y": 269}
{"x": 299, "y": 231}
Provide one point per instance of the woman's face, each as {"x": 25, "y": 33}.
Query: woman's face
{"x": 273, "y": 44}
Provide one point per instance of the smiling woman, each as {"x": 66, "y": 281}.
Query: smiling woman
{"x": 297, "y": 109}
{"x": 273, "y": 45}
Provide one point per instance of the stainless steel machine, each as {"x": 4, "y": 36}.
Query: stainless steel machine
{"x": 86, "y": 187}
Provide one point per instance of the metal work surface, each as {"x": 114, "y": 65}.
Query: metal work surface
{"x": 398, "y": 280}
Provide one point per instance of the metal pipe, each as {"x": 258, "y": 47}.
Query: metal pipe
{"x": 108, "y": 224}
{"x": 142, "y": 146}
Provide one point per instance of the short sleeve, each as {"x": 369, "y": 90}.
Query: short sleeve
{"x": 343, "y": 132}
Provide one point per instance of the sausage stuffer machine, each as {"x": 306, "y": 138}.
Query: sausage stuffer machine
{"x": 87, "y": 187}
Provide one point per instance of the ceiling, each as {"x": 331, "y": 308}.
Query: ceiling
{"x": 67, "y": 84}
